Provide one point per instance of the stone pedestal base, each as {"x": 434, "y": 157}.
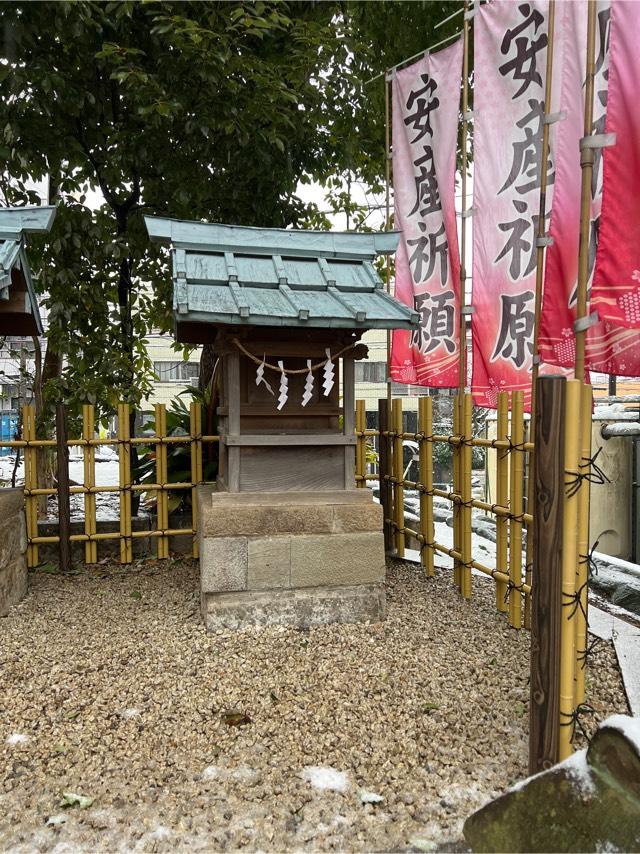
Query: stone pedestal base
{"x": 290, "y": 558}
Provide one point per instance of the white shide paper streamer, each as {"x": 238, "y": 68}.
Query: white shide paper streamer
{"x": 328, "y": 371}
{"x": 260, "y": 375}
{"x": 284, "y": 386}
{"x": 308, "y": 385}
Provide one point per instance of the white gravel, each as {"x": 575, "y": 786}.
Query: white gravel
{"x": 125, "y": 700}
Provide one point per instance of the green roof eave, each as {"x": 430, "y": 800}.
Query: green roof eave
{"x": 14, "y": 222}
{"x": 271, "y": 241}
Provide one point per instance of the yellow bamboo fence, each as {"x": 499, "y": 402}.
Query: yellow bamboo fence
{"x": 508, "y": 509}
{"x": 513, "y": 584}
{"x": 124, "y": 442}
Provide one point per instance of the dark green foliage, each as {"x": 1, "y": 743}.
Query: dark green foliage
{"x": 178, "y": 454}
{"x": 205, "y": 110}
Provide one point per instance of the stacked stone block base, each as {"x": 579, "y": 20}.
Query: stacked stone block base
{"x": 290, "y": 558}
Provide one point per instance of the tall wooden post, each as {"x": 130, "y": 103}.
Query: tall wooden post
{"x": 540, "y": 254}
{"x": 384, "y": 470}
{"x": 546, "y": 613}
{"x": 62, "y": 476}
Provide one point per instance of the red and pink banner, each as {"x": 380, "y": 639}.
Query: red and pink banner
{"x": 426, "y": 99}
{"x": 615, "y": 294}
{"x": 509, "y": 71}
{"x": 609, "y": 348}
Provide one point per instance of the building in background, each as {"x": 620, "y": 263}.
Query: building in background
{"x": 173, "y": 374}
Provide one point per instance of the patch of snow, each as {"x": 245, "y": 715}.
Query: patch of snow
{"x": 131, "y": 713}
{"x": 617, "y": 563}
{"x": 17, "y": 738}
{"x": 613, "y": 412}
{"x": 212, "y": 772}
{"x": 580, "y": 772}
{"x": 370, "y": 797}
{"x": 160, "y": 832}
{"x": 576, "y": 767}
{"x": 609, "y": 608}
{"x": 420, "y": 843}
{"x": 628, "y": 726}
{"x": 606, "y": 845}
{"x": 323, "y": 777}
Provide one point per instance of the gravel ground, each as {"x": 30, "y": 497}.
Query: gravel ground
{"x": 110, "y": 689}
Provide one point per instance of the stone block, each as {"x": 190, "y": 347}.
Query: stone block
{"x": 344, "y": 559}
{"x": 350, "y": 518}
{"x": 269, "y": 563}
{"x": 13, "y": 584}
{"x": 11, "y": 502}
{"x": 254, "y": 520}
{"x": 589, "y": 802}
{"x": 12, "y": 540}
{"x": 223, "y": 564}
{"x": 300, "y": 608}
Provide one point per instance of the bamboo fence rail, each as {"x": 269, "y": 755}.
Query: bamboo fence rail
{"x": 124, "y": 442}
{"x": 509, "y": 510}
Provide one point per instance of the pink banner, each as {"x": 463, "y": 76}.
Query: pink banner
{"x": 609, "y": 348}
{"x": 510, "y": 56}
{"x": 616, "y": 284}
{"x": 426, "y": 98}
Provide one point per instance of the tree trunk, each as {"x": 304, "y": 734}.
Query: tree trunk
{"x": 46, "y": 458}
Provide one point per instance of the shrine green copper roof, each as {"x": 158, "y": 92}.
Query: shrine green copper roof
{"x": 15, "y": 274}
{"x": 227, "y": 274}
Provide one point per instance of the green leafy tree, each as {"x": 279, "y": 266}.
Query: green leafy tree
{"x": 188, "y": 109}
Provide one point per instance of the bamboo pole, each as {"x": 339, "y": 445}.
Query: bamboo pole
{"x": 124, "y": 465}
{"x": 502, "y": 496}
{"x": 582, "y": 566}
{"x": 540, "y": 258}
{"x": 162, "y": 499}
{"x": 465, "y": 516}
{"x": 89, "y": 460}
{"x": 30, "y": 482}
{"x": 398, "y": 476}
{"x": 515, "y": 503}
{"x": 62, "y": 475}
{"x": 463, "y": 225}
{"x": 361, "y": 445}
{"x": 387, "y": 223}
{"x": 572, "y": 450}
{"x": 427, "y": 529}
{"x": 586, "y": 164}
{"x": 195, "y": 430}
{"x": 461, "y": 514}
{"x": 457, "y": 492}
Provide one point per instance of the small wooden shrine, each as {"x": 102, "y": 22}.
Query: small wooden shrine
{"x": 19, "y": 314}
{"x": 285, "y": 535}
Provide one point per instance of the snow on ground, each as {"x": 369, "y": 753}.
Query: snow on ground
{"x": 322, "y": 777}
